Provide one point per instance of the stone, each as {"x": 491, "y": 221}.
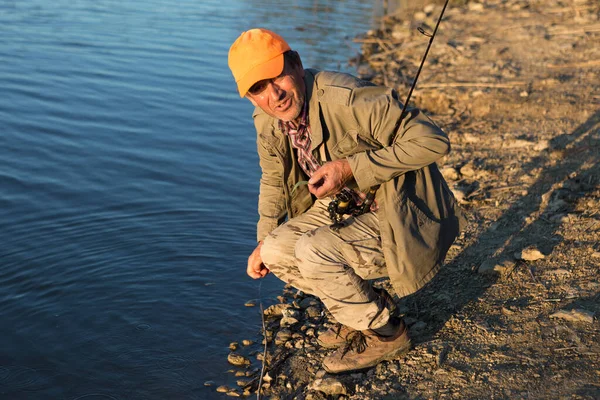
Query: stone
{"x": 243, "y": 382}
{"x": 450, "y": 173}
{"x": 478, "y": 7}
{"x": 247, "y": 342}
{"x": 282, "y": 336}
{"x": 237, "y": 360}
{"x": 233, "y": 393}
{"x": 223, "y": 389}
{"x": 596, "y": 254}
{"x": 209, "y": 383}
{"x": 460, "y": 194}
{"x": 276, "y": 310}
{"x": 542, "y": 145}
{"x": 468, "y": 170}
{"x": 307, "y": 302}
{"x": 492, "y": 267}
{"x": 288, "y": 321}
{"x": 329, "y": 386}
{"x": 233, "y": 346}
{"x": 575, "y": 315}
{"x": 313, "y": 312}
{"x": 250, "y": 303}
{"x": 530, "y": 253}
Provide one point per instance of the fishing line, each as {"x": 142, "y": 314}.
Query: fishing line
{"x": 264, "y": 360}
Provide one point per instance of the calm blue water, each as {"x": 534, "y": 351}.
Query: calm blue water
{"x": 128, "y": 187}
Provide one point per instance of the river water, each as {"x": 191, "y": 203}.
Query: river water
{"x": 128, "y": 188}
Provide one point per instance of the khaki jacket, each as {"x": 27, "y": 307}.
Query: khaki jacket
{"x": 353, "y": 119}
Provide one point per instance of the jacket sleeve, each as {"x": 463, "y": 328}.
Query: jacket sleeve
{"x": 271, "y": 198}
{"x": 417, "y": 141}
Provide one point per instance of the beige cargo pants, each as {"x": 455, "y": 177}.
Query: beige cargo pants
{"x": 334, "y": 266}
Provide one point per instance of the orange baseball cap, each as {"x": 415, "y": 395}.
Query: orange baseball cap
{"x": 256, "y": 55}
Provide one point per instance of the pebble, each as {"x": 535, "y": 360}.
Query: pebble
{"x": 468, "y": 170}
{"x": 542, "y": 145}
{"x": 492, "y": 267}
{"x": 329, "y": 386}
{"x": 250, "y": 303}
{"x": 596, "y": 254}
{"x": 276, "y": 310}
{"x": 313, "y": 312}
{"x": 237, "y": 360}
{"x": 247, "y": 342}
{"x": 575, "y": 315}
{"x": 475, "y": 6}
{"x": 223, "y": 389}
{"x": 233, "y": 346}
{"x": 233, "y": 393}
{"x": 530, "y": 253}
{"x": 450, "y": 173}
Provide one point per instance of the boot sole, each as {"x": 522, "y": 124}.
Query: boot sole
{"x": 399, "y": 352}
{"x": 330, "y": 345}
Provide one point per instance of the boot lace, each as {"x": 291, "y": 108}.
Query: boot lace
{"x": 356, "y": 341}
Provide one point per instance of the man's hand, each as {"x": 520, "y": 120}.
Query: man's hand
{"x": 330, "y": 179}
{"x": 256, "y": 269}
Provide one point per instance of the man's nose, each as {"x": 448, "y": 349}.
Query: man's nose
{"x": 275, "y": 91}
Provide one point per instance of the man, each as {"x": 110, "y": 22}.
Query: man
{"x": 343, "y": 134}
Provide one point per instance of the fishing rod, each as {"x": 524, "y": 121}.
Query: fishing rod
{"x": 344, "y": 203}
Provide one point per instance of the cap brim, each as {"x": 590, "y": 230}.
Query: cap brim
{"x": 267, "y": 70}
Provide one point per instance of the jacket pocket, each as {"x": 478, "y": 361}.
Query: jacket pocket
{"x": 351, "y": 143}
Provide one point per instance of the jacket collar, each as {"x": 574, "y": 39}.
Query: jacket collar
{"x": 314, "y": 112}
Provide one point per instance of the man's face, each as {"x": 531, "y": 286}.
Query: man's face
{"x": 281, "y": 97}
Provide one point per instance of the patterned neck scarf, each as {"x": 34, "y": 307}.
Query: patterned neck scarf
{"x": 301, "y": 141}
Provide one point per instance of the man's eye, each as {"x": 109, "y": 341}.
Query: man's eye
{"x": 258, "y": 87}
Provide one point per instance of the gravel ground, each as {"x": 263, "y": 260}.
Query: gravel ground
{"x": 514, "y": 312}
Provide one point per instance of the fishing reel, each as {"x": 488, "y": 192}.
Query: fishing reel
{"x": 345, "y": 203}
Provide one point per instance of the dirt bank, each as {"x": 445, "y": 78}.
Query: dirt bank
{"x": 514, "y": 312}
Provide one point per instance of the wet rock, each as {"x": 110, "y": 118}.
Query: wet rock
{"x": 329, "y": 386}
{"x": 223, "y": 389}
{"x": 492, "y": 267}
{"x": 233, "y": 393}
{"x": 243, "y": 382}
{"x": 530, "y": 253}
{"x": 596, "y": 254}
{"x": 247, "y": 342}
{"x": 233, "y": 346}
{"x": 276, "y": 310}
{"x": 237, "y": 360}
{"x": 282, "y": 336}
{"x": 307, "y": 302}
{"x": 575, "y": 315}
{"x": 313, "y": 312}
{"x": 250, "y": 303}
{"x": 288, "y": 321}
{"x": 209, "y": 383}
{"x": 240, "y": 373}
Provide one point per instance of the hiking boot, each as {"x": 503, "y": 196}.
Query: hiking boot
{"x": 366, "y": 349}
{"x": 334, "y": 336}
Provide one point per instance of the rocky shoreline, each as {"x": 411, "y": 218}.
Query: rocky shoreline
{"x": 514, "y": 312}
